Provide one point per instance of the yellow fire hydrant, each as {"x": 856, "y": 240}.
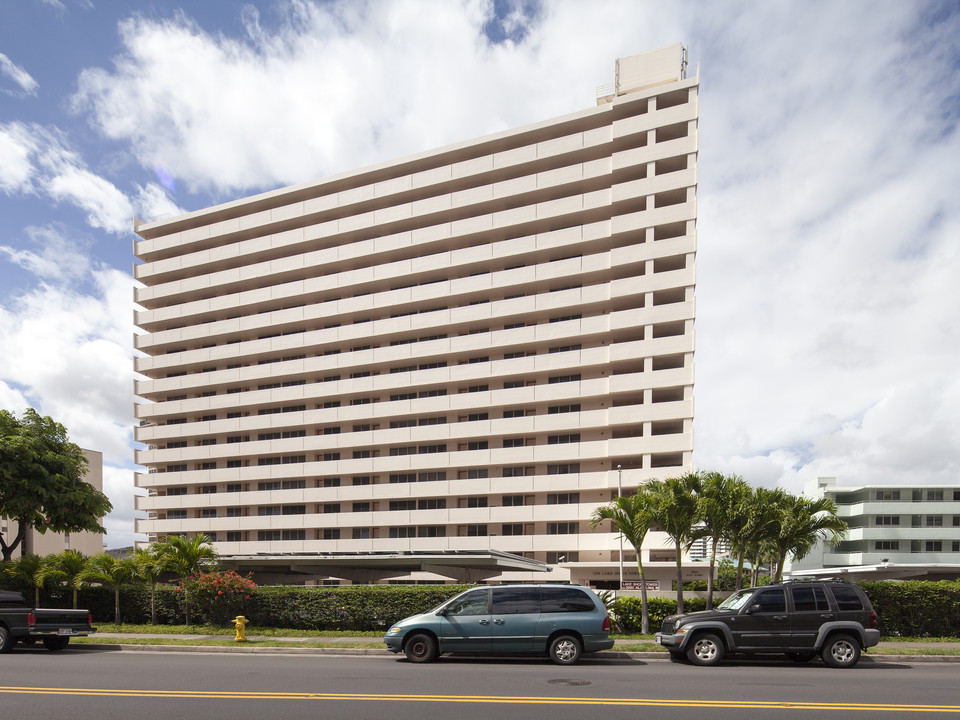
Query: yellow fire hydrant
{"x": 240, "y": 623}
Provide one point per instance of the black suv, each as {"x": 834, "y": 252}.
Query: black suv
{"x": 801, "y": 619}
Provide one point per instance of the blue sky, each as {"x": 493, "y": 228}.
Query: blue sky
{"x": 827, "y": 339}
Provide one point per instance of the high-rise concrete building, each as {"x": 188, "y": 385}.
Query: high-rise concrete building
{"x": 453, "y": 351}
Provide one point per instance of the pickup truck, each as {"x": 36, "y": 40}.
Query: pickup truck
{"x": 21, "y": 623}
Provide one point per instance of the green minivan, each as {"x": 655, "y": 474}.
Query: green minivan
{"x": 563, "y": 621}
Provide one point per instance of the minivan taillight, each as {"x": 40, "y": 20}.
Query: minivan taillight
{"x": 606, "y": 624}
{"x": 31, "y": 619}
{"x": 873, "y": 620}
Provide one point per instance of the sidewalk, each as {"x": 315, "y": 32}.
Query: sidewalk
{"x": 375, "y": 646}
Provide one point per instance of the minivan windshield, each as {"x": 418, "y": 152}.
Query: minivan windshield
{"x": 736, "y": 601}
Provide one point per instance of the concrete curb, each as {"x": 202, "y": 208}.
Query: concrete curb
{"x": 647, "y": 656}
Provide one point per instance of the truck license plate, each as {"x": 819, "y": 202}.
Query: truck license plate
{"x": 64, "y": 631}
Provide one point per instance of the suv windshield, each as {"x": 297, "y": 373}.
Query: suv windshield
{"x": 736, "y": 601}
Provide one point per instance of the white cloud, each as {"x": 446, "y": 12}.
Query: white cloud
{"x": 826, "y": 342}
{"x": 118, "y": 486}
{"x": 26, "y": 84}
{"x": 55, "y": 257}
{"x": 16, "y": 169}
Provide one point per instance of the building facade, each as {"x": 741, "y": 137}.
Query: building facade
{"x": 901, "y": 531}
{"x": 454, "y": 351}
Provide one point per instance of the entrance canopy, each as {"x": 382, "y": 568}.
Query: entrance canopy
{"x": 368, "y": 567}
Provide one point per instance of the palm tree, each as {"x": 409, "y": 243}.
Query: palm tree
{"x": 632, "y": 517}
{"x": 27, "y": 571}
{"x": 148, "y": 567}
{"x": 676, "y": 512}
{"x": 802, "y": 523}
{"x": 717, "y": 499}
{"x": 754, "y": 520}
{"x": 185, "y": 557}
{"x": 110, "y": 572}
{"x": 66, "y": 567}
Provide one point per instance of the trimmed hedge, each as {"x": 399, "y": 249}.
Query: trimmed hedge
{"x": 916, "y": 608}
{"x": 627, "y": 611}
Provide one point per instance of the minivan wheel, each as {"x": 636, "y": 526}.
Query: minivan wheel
{"x": 841, "y": 651}
{"x": 420, "y": 648}
{"x": 705, "y": 649}
{"x": 565, "y": 650}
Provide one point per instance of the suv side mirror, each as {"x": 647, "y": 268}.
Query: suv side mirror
{"x": 754, "y": 609}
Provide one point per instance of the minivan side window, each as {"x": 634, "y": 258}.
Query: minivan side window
{"x": 514, "y": 601}
{"x": 562, "y": 599}
{"x": 473, "y": 603}
{"x": 847, "y": 598}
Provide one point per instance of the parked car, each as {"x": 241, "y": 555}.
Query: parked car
{"x": 801, "y": 619}
{"x": 563, "y": 621}
{"x": 21, "y": 623}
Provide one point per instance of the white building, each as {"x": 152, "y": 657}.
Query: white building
{"x": 449, "y": 352}
{"x": 898, "y": 531}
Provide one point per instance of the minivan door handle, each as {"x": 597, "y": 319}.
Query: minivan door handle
{"x": 484, "y": 622}
{"x": 498, "y": 621}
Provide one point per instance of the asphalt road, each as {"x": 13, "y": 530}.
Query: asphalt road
{"x": 98, "y": 684}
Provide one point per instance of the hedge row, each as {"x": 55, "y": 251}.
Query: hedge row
{"x": 911, "y": 608}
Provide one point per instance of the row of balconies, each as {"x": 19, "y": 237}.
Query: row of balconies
{"x": 247, "y": 418}
{"x": 334, "y": 296}
{"x": 589, "y": 137}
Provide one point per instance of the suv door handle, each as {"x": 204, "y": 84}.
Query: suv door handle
{"x": 826, "y": 616}
{"x": 780, "y": 617}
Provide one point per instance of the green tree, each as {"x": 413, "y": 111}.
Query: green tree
{"x": 42, "y": 482}
{"x": 149, "y": 568}
{"x": 110, "y": 572}
{"x": 717, "y": 507}
{"x": 66, "y": 567}
{"x": 27, "y": 572}
{"x": 632, "y": 517}
{"x": 185, "y": 557}
{"x": 677, "y": 512}
{"x": 802, "y": 523}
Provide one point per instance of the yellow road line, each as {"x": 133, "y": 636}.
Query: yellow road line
{"x": 497, "y": 699}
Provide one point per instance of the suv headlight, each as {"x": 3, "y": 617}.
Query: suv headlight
{"x": 680, "y": 631}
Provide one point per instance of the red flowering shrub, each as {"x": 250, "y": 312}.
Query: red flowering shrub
{"x": 218, "y": 596}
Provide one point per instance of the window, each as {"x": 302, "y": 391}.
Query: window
{"x": 331, "y": 482}
{"x": 512, "y": 384}
{"x": 563, "y": 469}
{"x": 513, "y": 355}
{"x": 361, "y": 479}
{"x": 518, "y": 412}
{"x": 432, "y": 393}
{"x": 472, "y": 603}
{"x": 330, "y": 456}
{"x": 361, "y": 507}
{"x": 512, "y": 500}
{"x": 563, "y": 498}
{"x": 432, "y": 476}
{"x": 478, "y": 445}
{"x": 176, "y": 514}
{"x": 809, "y": 599}
{"x": 208, "y": 513}
{"x": 771, "y": 601}
{"x": 234, "y": 439}
{"x": 473, "y": 502}
{"x": 473, "y": 417}
{"x": 564, "y": 378}
{"x": 177, "y": 491}
{"x": 564, "y": 318}
{"x": 881, "y": 520}
{"x": 403, "y": 532}
{"x": 233, "y": 536}
{"x": 359, "y": 454}
{"x": 934, "y": 495}
{"x": 179, "y": 444}
{"x": 361, "y": 533}
{"x": 403, "y": 396}
{"x": 511, "y": 529}
{"x": 513, "y": 442}
{"x": 846, "y": 597}
{"x": 476, "y": 531}
{"x": 553, "y": 409}
{"x": 564, "y": 348}
{"x": 432, "y": 504}
{"x": 233, "y": 487}
{"x": 268, "y": 485}
{"x": 933, "y": 546}
{"x": 439, "y": 420}
{"x": 234, "y": 512}
{"x": 563, "y": 528}
{"x": 934, "y": 521}
{"x": 403, "y": 477}
{"x": 207, "y": 489}
{"x": 478, "y": 388}
{"x": 333, "y": 430}
{"x": 426, "y": 449}
{"x": 295, "y": 433}
{"x": 234, "y": 464}
{"x": 268, "y": 535}
{"x": 331, "y": 533}
{"x": 208, "y": 441}
{"x": 331, "y": 507}
{"x": 516, "y": 600}
{"x": 403, "y": 505}
{"x": 561, "y": 439}
{"x": 474, "y": 474}
{"x": 176, "y": 468}
{"x": 516, "y": 471}
{"x": 409, "y": 450}
{"x": 565, "y": 599}
{"x": 297, "y": 484}
{"x": 268, "y": 461}
{"x": 264, "y": 511}
{"x": 403, "y": 423}
{"x": 431, "y": 531}
{"x": 886, "y": 545}
{"x": 888, "y": 495}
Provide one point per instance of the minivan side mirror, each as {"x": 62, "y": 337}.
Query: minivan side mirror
{"x": 442, "y": 612}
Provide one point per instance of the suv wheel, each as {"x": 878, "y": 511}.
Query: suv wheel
{"x": 565, "y": 650}
{"x": 841, "y": 651}
{"x": 705, "y": 649}
{"x": 420, "y": 648}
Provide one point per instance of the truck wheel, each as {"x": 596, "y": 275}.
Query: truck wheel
{"x": 55, "y": 644}
{"x": 420, "y": 648}
{"x": 6, "y": 639}
{"x": 565, "y": 650}
{"x": 705, "y": 649}
{"x": 840, "y": 651}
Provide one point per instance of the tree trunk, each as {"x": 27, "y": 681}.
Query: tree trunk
{"x": 644, "y": 615}
{"x": 713, "y": 563}
{"x": 7, "y": 550}
{"x": 153, "y": 603}
{"x": 679, "y": 582}
{"x": 116, "y": 604}
{"x": 740, "y": 557}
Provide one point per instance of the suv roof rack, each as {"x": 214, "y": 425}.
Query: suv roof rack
{"x": 808, "y": 579}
